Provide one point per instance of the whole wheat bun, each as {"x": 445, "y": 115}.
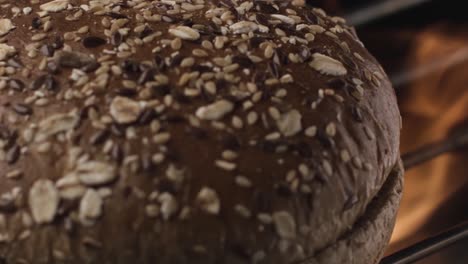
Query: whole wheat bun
{"x": 190, "y": 131}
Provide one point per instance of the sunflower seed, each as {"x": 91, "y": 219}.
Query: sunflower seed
{"x": 71, "y": 59}
{"x": 93, "y": 42}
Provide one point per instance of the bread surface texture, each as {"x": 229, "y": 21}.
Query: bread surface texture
{"x": 186, "y": 131}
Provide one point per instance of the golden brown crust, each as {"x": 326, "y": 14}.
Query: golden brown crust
{"x": 205, "y": 131}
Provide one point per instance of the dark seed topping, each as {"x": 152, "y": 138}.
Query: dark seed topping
{"x": 197, "y": 132}
{"x": 231, "y": 142}
{"x": 50, "y": 83}
{"x": 310, "y": 18}
{"x": 37, "y": 83}
{"x": 130, "y": 66}
{"x": 116, "y": 39}
{"x": 36, "y": 23}
{"x": 52, "y": 67}
{"x": 99, "y": 137}
{"x": 7, "y": 205}
{"x": 350, "y": 202}
{"x": 4, "y": 132}
{"x": 47, "y": 50}
{"x": 357, "y": 114}
{"x": 146, "y": 76}
{"x": 281, "y": 58}
{"x": 116, "y": 15}
{"x": 15, "y": 62}
{"x": 304, "y": 149}
{"x": 146, "y": 32}
{"x": 117, "y": 153}
{"x": 243, "y": 61}
{"x": 337, "y": 83}
{"x": 262, "y": 19}
{"x": 256, "y": 41}
{"x": 147, "y": 163}
{"x": 282, "y": 189}
{"x": 273, "y": 68}
{"x": 147, "y": 116}
{"x": 93, "y": 42}
{"x": 304, "y": 53}
{"x": 73, "y": 59}
{"x": 162, "y": 90}
{"x": 180, "y": 97}
{"x": 226, "y": 3}
{"x": 90, "y": 67}
{"x": 127, "y": 92}
{"x": 117, "y": 130}
{"x": 12, "y": 155}
{"x": 22, "y": 109}
{"x": 266, "y": 8}
{"x": 16, "y": 84}
{"x": 325, "y": 140}
{"x": 58, "y": 42}
{"x": 201, "y": 68}
{"x": 46, "y": 81}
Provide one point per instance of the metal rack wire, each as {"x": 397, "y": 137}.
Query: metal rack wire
{"x": 443, "y": 240}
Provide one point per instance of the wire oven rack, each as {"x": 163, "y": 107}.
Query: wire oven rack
{"x": 434, "y": 244}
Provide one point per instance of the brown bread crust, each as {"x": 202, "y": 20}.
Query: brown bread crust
{"x": 204, "y": 131}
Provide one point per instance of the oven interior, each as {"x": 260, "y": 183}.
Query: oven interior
{"x": 423, "y": 45}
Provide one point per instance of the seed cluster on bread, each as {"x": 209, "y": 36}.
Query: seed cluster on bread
{"x": 185, "y": 131}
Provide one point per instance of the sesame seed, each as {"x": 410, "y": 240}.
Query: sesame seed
{"x": 225, "y": 165}
{"x": 243, "y": 182}
{"x": 311, "y": 131}
{"x": 242, "y": 211}
{"x": 331, "y": 129}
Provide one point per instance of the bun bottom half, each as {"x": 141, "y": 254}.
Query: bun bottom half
{"x": 367, "y": 240}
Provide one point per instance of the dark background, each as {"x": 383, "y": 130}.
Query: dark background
{"x": 391, "y": 39}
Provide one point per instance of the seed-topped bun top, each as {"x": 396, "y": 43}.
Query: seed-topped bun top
{"x": 185, "y": 131}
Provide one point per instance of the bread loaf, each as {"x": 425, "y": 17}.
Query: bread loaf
{"x": 186, "y": 131}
